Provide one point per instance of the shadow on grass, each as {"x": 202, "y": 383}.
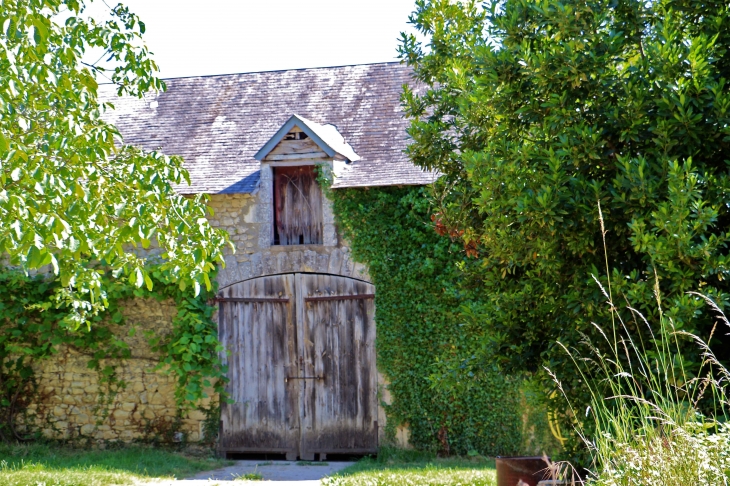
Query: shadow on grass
{"x": 395, "y": 467}
{"x": 63, "y": 461}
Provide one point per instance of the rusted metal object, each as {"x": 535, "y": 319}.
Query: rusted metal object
{"x": 339, "y": 297}
{"x": 521, "y": 471}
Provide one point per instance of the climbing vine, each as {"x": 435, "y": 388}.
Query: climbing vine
{"x": 422, "y": 333}
{"x": 33, "y": 328}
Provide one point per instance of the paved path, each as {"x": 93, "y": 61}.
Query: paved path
{"x": 278, "y": 473}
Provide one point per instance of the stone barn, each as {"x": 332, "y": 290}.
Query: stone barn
{"x": 296, "y": 313}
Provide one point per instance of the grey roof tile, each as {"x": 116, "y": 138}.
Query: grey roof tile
{"x": 218, "y": 123}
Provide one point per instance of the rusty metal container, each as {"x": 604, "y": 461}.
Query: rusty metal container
{"x": 529, "y": 470}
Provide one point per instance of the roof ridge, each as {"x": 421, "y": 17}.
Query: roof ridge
{"x": 282, "y": 70}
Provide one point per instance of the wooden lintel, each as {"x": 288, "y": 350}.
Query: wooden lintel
{"x": 296, "y": 163}
{"x": 308, "y": 155}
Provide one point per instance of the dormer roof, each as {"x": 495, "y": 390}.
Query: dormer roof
{"x": 327, "y": 137}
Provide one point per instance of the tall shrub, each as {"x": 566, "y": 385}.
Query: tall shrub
{"x": 535, "y": 111}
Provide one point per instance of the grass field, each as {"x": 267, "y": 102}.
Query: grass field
{"x": 55, "y": 465}
{"x": 401, "y": 468}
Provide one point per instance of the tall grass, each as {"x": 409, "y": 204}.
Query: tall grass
{"x": 647, "y": 427}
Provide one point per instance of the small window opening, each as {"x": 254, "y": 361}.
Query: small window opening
{"x": 297, "y": 206}
{"x": 296, "y": 136}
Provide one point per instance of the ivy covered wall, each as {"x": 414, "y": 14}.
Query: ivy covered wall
{"x": 146, "y": 369}
{"x": 421, "y": 329}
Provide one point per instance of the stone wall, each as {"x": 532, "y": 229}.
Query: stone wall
{"x": 248, "y": 220}
{"x": 74, "y": 404}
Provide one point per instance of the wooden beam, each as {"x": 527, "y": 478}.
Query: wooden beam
{"x": 339, "y": 297}
{"x": 308, "y": 155}
{"x": 251, "y": 299}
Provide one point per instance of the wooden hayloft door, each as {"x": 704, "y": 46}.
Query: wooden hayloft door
{"x": 301, "y": 366}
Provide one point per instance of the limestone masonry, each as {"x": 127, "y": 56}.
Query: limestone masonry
{"x": 73, "y": 404}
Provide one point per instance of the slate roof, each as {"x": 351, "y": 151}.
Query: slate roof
{"x": 218, "y": 123}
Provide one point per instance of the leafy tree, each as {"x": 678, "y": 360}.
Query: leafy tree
{"x": 72, "y": 195}
{"x": 536, "y": 112}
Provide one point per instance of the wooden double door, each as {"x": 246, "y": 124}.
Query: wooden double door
{"x": 301, "y": 366}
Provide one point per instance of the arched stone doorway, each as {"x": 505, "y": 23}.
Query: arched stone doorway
{"x": 301, "y": 366}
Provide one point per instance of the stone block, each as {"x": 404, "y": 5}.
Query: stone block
{"x": 360, "y": 271}
{"x": 257, "y": 265}
{"x": 265, "y": 234}
{"x": 309, "y": 263}
{"x": 295, "y": 257}
{"x": 120, "y": 414}
{"x": 347, "y": 264}
{"x": 269, "y": 264}
{"x": 329, "y": 235}
{"x": 87, "y": 429}
{"x": 196, "y": 415}
{"x": 283, "y": 264}
{"x": 157, "y": 399}
{"x": 335, "y": 261}
{"x": 323, "y": 261}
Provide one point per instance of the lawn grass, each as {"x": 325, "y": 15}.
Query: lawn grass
{"x": 58, "y": 465}
{"x": 401, "y": 468}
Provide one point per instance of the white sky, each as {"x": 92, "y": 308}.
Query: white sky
{"x": 203, "y": 37}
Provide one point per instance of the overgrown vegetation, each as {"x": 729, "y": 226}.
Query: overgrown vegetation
{"x": 534, "y": 112}
{"x": 78, "y": 201}
{"x": 21, "y": 465}
{"x": 32, "y": 328}
{"x": 423, "y": 336}
{"x": 648, "y": 414}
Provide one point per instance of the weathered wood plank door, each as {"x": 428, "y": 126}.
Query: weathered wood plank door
{"x": 301, "y": 366}
{"x": 336, "y": 334}
{"x": 257, "y": 326}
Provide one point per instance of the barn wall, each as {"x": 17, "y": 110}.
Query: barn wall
{"x": 69, "y": 390}
{"x": 72, "y": 403}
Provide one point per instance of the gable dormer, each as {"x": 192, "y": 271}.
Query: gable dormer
{"x": 302, "y": 139}
{"x": 300, "y": 214}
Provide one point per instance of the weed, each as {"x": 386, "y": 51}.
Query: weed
{"x": 645, "y": 406}
{"x": 252, "y": 476}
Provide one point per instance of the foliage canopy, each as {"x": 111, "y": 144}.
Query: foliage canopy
{"x": 536, "y": 112}
{"x": 72, "y": 195}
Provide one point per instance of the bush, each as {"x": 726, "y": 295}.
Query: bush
{"x": 535, "y": 110}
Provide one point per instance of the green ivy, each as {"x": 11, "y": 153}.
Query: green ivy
{"x": 33, "y": 328}
{"x": 422, "y": 333}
